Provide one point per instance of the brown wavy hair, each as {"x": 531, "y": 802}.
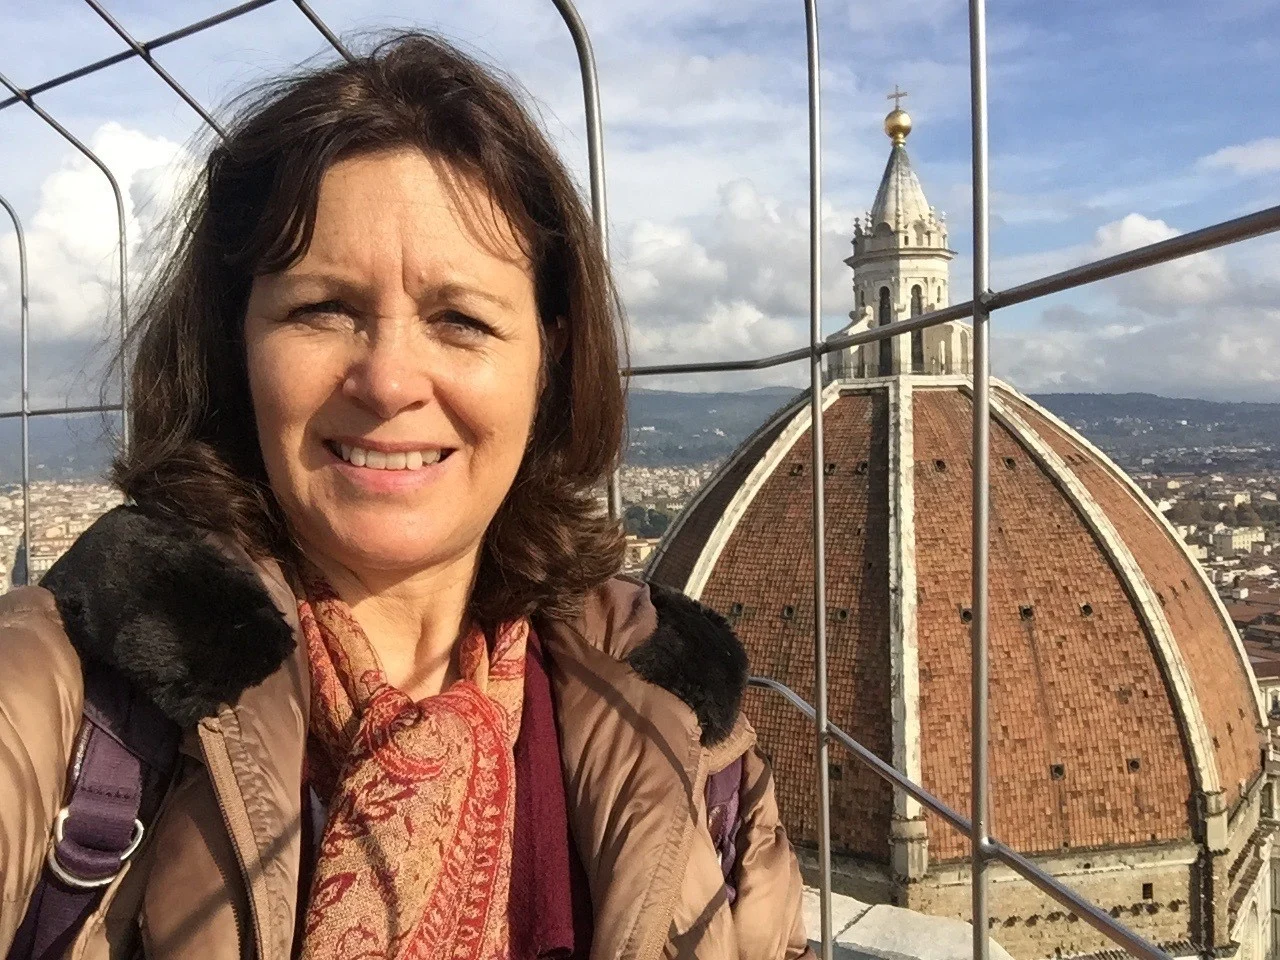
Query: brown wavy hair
{"x": 195, "y": 454}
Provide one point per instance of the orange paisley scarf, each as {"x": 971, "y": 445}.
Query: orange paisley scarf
{"x": 415, "y": 856}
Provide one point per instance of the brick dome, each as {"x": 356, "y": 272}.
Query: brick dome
{"x": 1123, "y": 710}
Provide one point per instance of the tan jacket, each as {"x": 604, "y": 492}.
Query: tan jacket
{"x": 217, "y": 876}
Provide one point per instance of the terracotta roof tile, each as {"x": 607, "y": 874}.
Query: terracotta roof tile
{"x": 676, "y": 559}
{"x": 1075, "y": 695}
{"x": 1222, "y": 686}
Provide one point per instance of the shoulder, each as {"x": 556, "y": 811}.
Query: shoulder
{"x": 668, "y": 640}
{"x": 35, "y": 644}
{"x": 41, "y": 697}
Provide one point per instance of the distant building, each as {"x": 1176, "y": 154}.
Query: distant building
{"x": 1127, "y": 734}
{"x": 61, "y": 512}
{"x": 638, "y": 551}
{"x": 18, "y": 575}
{"x": 1237, "y": 540}
{"x": 1265, "y": 629}
{"x": 1244, "y": 612}
{"x": 1268, "y": 674}
{"x": 48, "y": 545}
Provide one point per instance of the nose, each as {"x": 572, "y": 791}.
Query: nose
{"x": 389, "y": 376}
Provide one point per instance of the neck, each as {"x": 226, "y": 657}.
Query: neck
{"x": 414, "y": 621}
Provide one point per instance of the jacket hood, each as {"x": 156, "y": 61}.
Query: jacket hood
{"x": 193, "y": 625}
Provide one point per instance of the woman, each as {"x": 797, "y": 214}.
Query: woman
{"x": 366, "y": 576}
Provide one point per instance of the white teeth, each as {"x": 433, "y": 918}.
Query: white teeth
{"x": 377, "y": 460}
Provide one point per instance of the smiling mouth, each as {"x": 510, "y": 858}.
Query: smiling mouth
{"x": 380, "y": 460}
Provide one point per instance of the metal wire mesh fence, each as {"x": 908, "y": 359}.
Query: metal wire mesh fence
{"x": 984, "y": 850}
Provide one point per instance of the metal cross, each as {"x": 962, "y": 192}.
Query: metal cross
{"x": 896, "y": 97}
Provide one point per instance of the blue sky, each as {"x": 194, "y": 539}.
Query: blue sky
{"x": 1113, "y": 124}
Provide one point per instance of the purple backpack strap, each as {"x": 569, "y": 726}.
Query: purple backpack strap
{"x": 123, "y": 759}
{"x": 723, "y": 792}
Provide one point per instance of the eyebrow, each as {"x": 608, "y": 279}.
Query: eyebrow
{"x": 291, "y": 281}
{"x": 453, "y": 290}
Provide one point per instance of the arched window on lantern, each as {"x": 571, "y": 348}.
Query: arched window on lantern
{"x": 917, "y": 336}
{"x": 886, "y": 345}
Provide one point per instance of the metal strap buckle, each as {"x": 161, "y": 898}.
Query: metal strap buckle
{"x": 71, "y": 879}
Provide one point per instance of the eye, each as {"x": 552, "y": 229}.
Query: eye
{"x": 465, "y": 324}
{"x": 322, "y": 307}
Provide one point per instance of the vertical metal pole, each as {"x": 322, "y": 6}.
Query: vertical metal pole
{"x": 23, "y": 328}
{"x": 595, "y": 164}
{"x": 595, "y": 129}
{"x": 120, "y": 223}
{"x": 615, "y": 493}
{"x": 981, "y": 471}
{"x": 819, "y": 486}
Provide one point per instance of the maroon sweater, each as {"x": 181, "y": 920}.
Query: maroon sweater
{"x": 550, "y": 906}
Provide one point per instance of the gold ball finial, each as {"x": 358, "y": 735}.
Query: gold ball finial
{"x": 898, "y": 123}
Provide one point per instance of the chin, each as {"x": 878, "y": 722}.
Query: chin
{"x": 398, "y": 546}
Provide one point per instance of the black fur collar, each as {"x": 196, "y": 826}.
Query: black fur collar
{"x": 695, "y": 654}
{"x": 157, "y": 602}
{"x": 193, "y": 628}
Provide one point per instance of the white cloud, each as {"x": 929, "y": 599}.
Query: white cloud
{"x": 1179, "y": 284}
{"x": 696, "y": 95}
{"x": 685, "y": 285}
{"x": 73, "y": 274}
{"x": 1247, "y": 159}
{"x": 1190, "y": 355}
{"x": 731, "y": 286}
{"x": 665, "y": 267}
{"x": 72, "y": 238}
{"x": 1207, "y": 325}
{"x": 736, "y": 329}
{"x": 724, "y": 331}
{"x": 936, "y": 15}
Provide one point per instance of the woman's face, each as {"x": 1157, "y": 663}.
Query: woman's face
{"x": 394, "y": 369}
